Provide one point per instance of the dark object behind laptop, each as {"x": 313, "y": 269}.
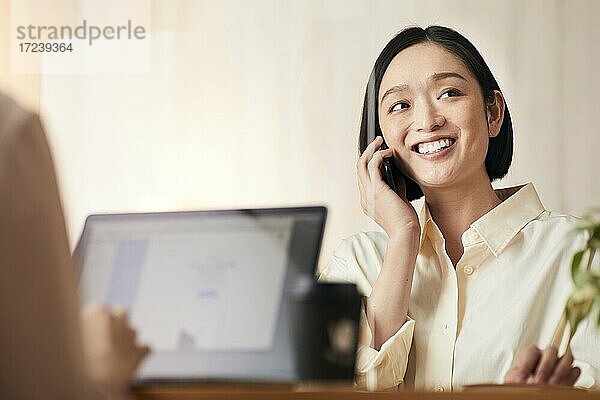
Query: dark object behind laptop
{"x": 324, "y": 328}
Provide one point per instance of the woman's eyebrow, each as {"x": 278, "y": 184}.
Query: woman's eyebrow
{"x": 438, "y": 76}
{"x": 396, "y": 88}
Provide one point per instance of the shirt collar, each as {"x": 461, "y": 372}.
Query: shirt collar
{"x": 520, "y": 205}
{"x": 425, "y": 222}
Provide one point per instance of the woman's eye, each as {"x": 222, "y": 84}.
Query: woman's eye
{"x": 399, "y": 106}
{"x": 450, "y": 93}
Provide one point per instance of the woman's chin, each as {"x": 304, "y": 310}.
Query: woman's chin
{"x": 435, "y": 182}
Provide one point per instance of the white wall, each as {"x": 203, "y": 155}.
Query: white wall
{"x": 254, "y": 103}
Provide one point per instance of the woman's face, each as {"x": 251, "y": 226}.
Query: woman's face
{"x": 432, "y": 114}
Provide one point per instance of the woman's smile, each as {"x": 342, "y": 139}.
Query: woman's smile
{"x": 434, "y": 149}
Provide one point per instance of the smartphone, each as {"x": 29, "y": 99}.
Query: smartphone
{"x": 388, "y": 171}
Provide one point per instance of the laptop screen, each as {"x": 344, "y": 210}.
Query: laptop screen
{"x": 204, "y": 289}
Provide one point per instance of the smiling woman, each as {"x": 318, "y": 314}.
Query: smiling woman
{"x": 471, "y": 287}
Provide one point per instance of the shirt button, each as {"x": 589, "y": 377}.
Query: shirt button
{"x": 439, "y": 388}
{"x": 468, "y": 270}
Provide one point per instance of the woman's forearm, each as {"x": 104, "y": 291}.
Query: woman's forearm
{"x": 387, "y": 306}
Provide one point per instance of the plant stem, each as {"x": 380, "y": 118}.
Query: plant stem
{"x": 560, "y": 331}
{"x": 571, "y": 334}
{"x": 588, "y": 267}
{"x": 590, "y": 258}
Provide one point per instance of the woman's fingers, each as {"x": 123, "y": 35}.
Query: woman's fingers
{"x": 564, "y": 369}
{"x": 371, "y": 148}
{"x": 376, "y": 183}
{"x": 363, "y": 160}
{"x": 573, "y": 376}
{"x": 368, "y": 170}
{"x": 546, "y": 365}
{"x": 525, "y": 366}
{"x": 120, "y": 312}
{"x": 144, "y": 350}
{"x": 374, "y": 166}
{"x": 528, "y": 360}
{"x": 514, "y": 375}
{"x": 534, "y": 366}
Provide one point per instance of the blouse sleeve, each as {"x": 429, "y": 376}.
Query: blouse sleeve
{"x": 375, "y": 370}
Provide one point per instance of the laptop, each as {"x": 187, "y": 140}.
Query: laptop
{"x": 205, "y": 289}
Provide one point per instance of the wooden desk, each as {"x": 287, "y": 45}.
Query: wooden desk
{"x": 306, "y": 392}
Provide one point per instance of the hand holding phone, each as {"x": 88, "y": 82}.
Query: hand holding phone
{"x": 389, "y": 209}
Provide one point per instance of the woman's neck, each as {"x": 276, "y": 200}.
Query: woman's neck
{"x": 455, "y": 208}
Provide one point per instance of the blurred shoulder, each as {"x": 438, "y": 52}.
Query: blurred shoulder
{"x": 22, "y": 137}
{"x": 12, "y": 115}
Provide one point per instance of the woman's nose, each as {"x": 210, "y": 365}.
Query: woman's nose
{"x": 428, "y": 118}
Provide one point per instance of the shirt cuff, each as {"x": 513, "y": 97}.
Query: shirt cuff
{"x": 385, "y": 369}
{"x": 588, "y": 378}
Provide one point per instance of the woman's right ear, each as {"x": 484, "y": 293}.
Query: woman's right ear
{"x": 495, "y": 114}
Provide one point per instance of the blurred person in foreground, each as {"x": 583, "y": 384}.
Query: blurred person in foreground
{"x": 48, "y": 351}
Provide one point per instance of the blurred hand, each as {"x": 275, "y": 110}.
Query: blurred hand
{"x": 543, "y": 367}
{"x": 110, "y": 349}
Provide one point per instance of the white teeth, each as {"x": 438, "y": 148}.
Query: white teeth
{"x": 426, "y": 148}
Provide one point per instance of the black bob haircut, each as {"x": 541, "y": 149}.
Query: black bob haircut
{"x": 500, "y": 148}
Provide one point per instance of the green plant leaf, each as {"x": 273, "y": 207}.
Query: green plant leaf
{"x": 584, "y": 225}
{"x": 586, "y": 279}
{"x": 595, "y": 311}
{"x": 593, "y": 242}
{"x": 575, "y": 264}
{"x": 585, "y": 299}
{"x": 577, "y": 309}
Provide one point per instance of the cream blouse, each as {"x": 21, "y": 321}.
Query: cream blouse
{"x": 467, "y": 324}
